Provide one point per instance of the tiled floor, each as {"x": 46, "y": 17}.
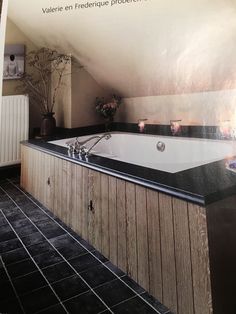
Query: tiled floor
{"x": 46, "y": 268}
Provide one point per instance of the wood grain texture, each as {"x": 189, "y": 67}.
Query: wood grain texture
{"x": 154, "y": 244}
{"x": 132, "y": 256}
{"x": 183, "y": 257}
{"x": 105, "y": 243}
{"x": 121, "y": 225}
{"x": 142, "y": 237}
{"x": 84, "y": 205}
{"x": 200, "y": 259}
{"x": 168, "y": 253}
{"x": 94, "y": 209}
{"x": 113, "y": 254}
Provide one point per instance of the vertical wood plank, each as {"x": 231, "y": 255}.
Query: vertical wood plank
{"x": 168, "y": 253}
{"x": 50, "y": 196}
{"x": 105, "y": 243}
{"x": 132, "y": 262}
{"x": 73, "y": 214}
{"x": 112, "y": 220}
{"x": 154, "y": 241}
{"x": 23, "y": 166}
{"x": 183, "y": 257}
{"x": 142, "y": 238}
{"x": 121, "y": 226}
{"x": 85, "y": 200}
{"x": 94, "y": 215}
{"x": 200, "y": 259}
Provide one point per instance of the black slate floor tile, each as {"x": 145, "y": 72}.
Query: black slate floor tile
{"x": 38, "y": 300}
{"x": 2, "y": 220}
{"x": 15, "y": 256}
{"x": 21, "y": 200}
{"x": 67, "y": 246}
{"x": 86, "y": 303}
{"x": 155, "y": 303}
{"x": 114, "y": 292}
{"x": 10, "y": 245}
{"x": 21, "y": 268}
{"x": 36, "y": 215}
{"x": 57, "y": 272}
{"x": 29, "y": 283}
{"x": 50, "y": 229}
{"x": 10, "y": 306}
{"x": 33, "y": 238}
{"x": 14, "y": 214}
{"x": 88, "y": 246}
{"x": 24, "y": 227}
{"x": 6, "y": 233}
{"x": 18, "y": 224}
{"x": 6, "y": 205}
{"x": 83, "y": 262}
{"x": 3, "y": 275}
{"x": 47, "y": 259}
{"x": 97, "y": 275}
{"x": 101, "y": 257}
{"x": 40, "y": 248}
{"x": 7, "y": 291}
{"x": 134, "y": 306}
{"x": 70, "y": 287}
{"x": 115, "y": 269}
{"x": 136, "y": 287}
{"x": 56, "y": 309}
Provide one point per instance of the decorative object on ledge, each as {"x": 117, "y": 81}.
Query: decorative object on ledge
{"x": 175, "y": 127}
{"x": 107, "y": 109}
{"x": 141, "y": 125}
{"x": 43, "y": 65}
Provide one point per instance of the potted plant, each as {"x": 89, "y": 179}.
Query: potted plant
{"x": 107, "y": 109}
{"x": 42, "y": 65}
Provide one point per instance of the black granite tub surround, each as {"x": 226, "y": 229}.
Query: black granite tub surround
{"x": 201, "y": 185}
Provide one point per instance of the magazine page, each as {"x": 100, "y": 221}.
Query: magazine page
{"x": 118, "y": 156}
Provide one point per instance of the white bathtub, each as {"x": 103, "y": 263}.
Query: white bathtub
{"x": 179, "y": 154}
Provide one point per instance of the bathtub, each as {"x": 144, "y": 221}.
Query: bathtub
{"x": 141, "y": 149}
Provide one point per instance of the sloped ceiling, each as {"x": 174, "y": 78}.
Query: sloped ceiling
{"x": 144, "y": 47}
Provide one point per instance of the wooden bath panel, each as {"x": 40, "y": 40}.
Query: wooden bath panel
{"x": 160, "y": 241}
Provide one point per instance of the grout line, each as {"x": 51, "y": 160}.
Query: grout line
{"x": 35, "y": 264}
{"x": 107, "y": 307}
{"x": 16, "y": 294}
{"x": 137, "y": 294}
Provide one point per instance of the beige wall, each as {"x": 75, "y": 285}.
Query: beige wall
{"x": 15, "y": 36}
{"x": 75, "y": 102}
{"x": 84, "y": 91}
{"x": 206, "y": 108}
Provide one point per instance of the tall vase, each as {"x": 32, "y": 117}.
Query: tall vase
{"x": 48, "y": 124}
{"x": 108, "y": 124}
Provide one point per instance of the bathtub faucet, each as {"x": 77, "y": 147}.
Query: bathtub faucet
{"x": 107, "y": 136}
{"x": 79, "y": 147}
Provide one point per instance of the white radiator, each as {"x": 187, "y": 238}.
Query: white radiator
{"x": 14, "y": 127}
